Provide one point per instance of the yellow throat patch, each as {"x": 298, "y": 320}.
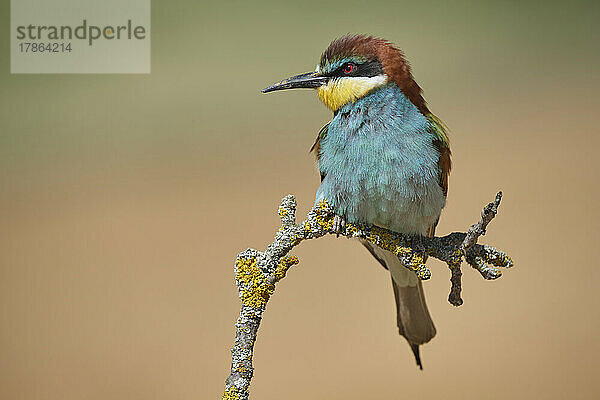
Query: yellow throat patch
{"x": 340, "y": 91}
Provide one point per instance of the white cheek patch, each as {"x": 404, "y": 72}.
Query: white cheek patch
{"x": 369, "y": 83}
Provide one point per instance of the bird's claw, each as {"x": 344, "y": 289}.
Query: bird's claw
{"x": 339, "y": 224}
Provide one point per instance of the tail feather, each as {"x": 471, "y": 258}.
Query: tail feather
{"x": 417, "y": 353}
{"x": 413, "y": 318}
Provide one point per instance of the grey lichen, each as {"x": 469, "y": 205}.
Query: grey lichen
{"x": 256, "y": 273}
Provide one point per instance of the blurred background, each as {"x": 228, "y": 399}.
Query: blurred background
{"x": 124, "y": 200}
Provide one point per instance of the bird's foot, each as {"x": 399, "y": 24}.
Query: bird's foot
{"x": 339, "y": 224}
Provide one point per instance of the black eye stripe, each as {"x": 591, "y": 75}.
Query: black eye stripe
{"x": 370, "y": 69}
{"x": 367, "y": 69}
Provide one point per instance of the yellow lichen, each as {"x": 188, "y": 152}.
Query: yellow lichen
{"x": 297, "y": 240}
{"x": 455, "y": 259}
{"x": 257, "y": 291}
{"x": 255, "y": 287}
{"x": 284, "y": 264}
{"x": 325, "y": 218}
{"x": 230, "y": 394}
{"x": 282, "y": 212}
{"x": 416, "y": 261}
{"x": 385, "y": 240}
{"x": 505, "y": 260}
{"x": 351, "y": 229}
{"x": 326, "y": 222}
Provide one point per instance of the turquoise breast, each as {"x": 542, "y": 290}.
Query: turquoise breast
{"x": 379, "y": 164}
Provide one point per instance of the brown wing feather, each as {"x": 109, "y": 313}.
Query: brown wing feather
{"x": 445, "y": 165}
{"x": 442, "y": 144}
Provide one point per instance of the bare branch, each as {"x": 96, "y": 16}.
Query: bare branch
{"x": 256, "y": 273}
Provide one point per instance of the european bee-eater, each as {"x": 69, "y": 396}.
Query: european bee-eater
{"x": 384, "y": 158}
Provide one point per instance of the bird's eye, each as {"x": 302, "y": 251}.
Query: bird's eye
{"x": 348, "y": 68}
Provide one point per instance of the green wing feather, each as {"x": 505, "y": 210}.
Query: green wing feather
{"x": 442, "y": 144}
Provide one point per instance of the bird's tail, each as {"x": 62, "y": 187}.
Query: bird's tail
{"x": 414, "y": 321}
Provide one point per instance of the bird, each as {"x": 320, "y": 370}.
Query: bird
{"x": 384, "y": 158}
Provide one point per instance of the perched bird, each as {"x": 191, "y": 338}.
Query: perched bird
{"x": 384, "y": 158}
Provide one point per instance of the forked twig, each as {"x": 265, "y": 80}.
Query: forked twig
{"x": 256, "y": 273}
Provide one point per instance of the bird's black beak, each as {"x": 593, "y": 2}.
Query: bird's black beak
{"x": 310, "y": 80}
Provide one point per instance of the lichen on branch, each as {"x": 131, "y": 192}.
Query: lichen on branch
{"x": 256, "y": 273}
